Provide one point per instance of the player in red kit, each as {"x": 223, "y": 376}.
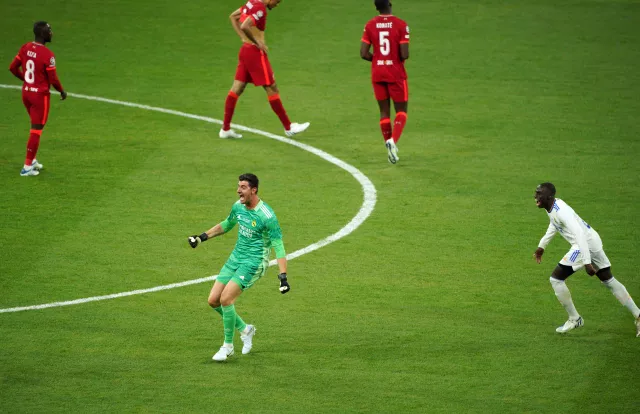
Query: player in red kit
{"x": 35, "y": 65}
{"x": 249, "y": 22}
{"x": 389, "y": 37}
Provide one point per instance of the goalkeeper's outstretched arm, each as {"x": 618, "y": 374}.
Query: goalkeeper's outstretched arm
{"x": 217, "y": 230}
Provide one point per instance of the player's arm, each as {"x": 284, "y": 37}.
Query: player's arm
{"x": 235, "y": 22}
{"x": 14, "y": 68}
{"x": 275, "y": 234}
{"x": 404, "y": 44}
{"x": 365, "y": 46}
{"x": 247, "y": 28}
{"x": 365, "y": 51}
{"x": 52, "y": 75}
{"x": 404, "y": 51}
{"x": 544, "y": 242}
{"x": 215, "y": 231}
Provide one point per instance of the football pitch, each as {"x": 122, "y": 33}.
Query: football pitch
{"x": 427, "y": 298}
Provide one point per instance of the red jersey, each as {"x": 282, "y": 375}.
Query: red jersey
{"x": 385, "y": 33}
{"x": 256, "y": 10}
{"x": 38, "y": 68}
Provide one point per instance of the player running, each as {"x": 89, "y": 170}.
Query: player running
{"x": 35, "y": 65}
{"x": 249, "y": 22}
{"x": 389, "y": 37}
{"x": 586, "y": 251}
{"x": 258, "y": 232}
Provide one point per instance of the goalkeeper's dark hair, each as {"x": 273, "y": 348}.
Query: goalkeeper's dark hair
{"x": 40, "y": 28}
{"x": 382, "y": 5}
{"x": 549, "y": 187}
{"x": 251, "y": 179}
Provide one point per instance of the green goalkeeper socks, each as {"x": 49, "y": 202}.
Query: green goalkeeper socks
{"x": 240, "y": 324}
{"x": 229, "y": 321}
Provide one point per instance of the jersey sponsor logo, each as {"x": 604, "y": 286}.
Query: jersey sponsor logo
{"x": 246, "y": 232}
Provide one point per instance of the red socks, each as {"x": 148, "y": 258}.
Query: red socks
{"x": 32, "y": 145}
{"x": 398, "y": 126}
{"x": 229, "y": 107}
{"x": 276, "y": 105}
{"x": 274, "y": 101}
{"x": 385, "y": 127}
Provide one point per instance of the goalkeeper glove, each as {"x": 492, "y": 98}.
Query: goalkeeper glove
{"x": 284, "y": 286}
{"x": 194, "y": 241}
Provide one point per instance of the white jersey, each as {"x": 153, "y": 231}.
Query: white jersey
{"x": 568, "y": 223}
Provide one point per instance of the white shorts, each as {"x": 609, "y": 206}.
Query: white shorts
{"x": 599, "y": 259}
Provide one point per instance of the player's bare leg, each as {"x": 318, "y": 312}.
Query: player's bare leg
{"x": 31, "y": 165}
{"x": 229, "y": 107}
{"x": 290, "y": 128}
{"x": 385, "y": 126}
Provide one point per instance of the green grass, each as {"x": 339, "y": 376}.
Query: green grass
{"x": 434, "y": 304}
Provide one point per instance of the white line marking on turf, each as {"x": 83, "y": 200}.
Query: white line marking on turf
{"x": 366, "y": 208}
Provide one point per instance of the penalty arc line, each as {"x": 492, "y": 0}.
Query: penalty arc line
{"x": 368, "y": 189}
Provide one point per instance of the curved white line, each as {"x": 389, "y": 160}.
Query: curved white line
{"x": 368, "y": 204}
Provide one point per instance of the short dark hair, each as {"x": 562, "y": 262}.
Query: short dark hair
{"x": 40, "y": 28}
{"x": 381, "y": 4}
{"x": 550, "y": 187}
{"x": 251, "y": 179}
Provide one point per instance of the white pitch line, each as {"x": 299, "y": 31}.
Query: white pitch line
{"x": 366, "y": 208}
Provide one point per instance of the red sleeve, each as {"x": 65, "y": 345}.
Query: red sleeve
{"x": 15, "y": 68}
{"x": 365, "y": 36}
{"x": 404, "y": 33}
{"x": 53, "y": 79}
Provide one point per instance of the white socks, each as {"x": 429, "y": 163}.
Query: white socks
{"x": 620, "y": 292}
{"x": 564, "y": 296}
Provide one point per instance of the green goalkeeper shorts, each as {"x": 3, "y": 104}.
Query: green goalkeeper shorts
{"x": 243, "y": 274}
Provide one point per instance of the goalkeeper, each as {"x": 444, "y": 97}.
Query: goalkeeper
{"x": 258, "y": 232}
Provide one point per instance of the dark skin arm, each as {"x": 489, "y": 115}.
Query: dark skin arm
{"x": 404, "y": 51}
{"x": 365, "y": 51}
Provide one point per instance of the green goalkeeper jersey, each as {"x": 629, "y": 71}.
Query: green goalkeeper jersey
{"x": 258, "y": 232}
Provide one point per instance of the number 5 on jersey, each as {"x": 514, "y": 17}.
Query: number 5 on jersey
{"x": 385, "y": 46}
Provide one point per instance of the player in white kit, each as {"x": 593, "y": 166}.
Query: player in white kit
{"x": 586, "y": 251}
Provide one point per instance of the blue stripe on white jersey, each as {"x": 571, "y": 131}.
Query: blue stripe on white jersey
{"x": 556, "y": 207}
{"x": 574, "y": 255}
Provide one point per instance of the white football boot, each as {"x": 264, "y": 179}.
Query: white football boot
{"x": 296, "y": 129}
{"x": 229, "y": 134}
{"x": 226, "y": 350}
{"x": 570, "y": 324}
{"x": 26, "y": 172}
{"x": 638, "y": 327}
{"x": 35, "y": 164}
{"x": 392, "y": 151}
{"x": 247, "y": 339}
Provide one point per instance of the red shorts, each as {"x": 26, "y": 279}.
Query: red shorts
{"x": 254, "y": 66}
{"x": 398, "y": 91}
{"x": 37, "y": 105}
